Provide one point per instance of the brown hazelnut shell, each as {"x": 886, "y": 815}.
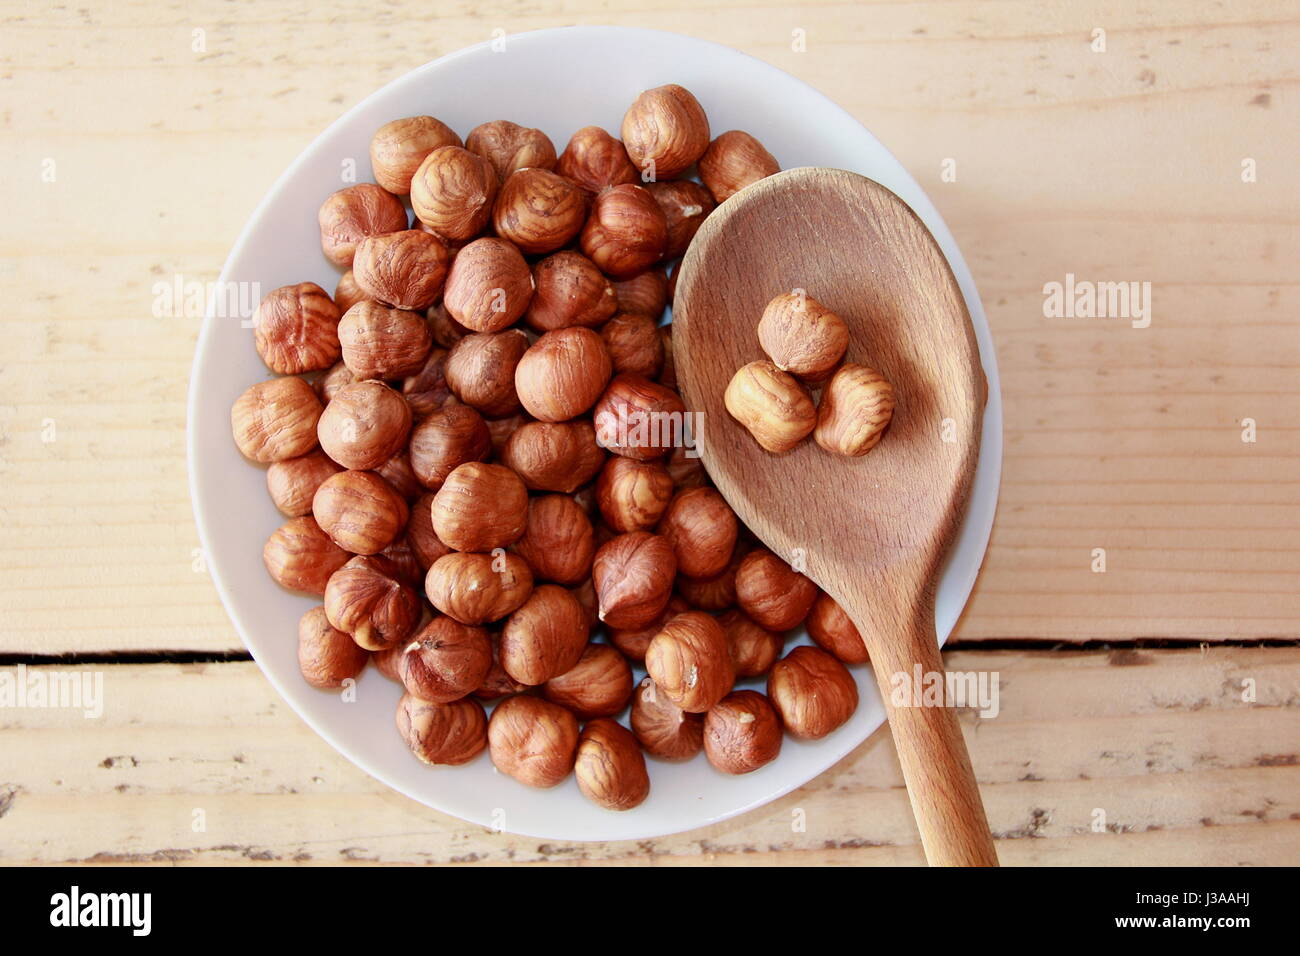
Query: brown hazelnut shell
{"x": 452, "y": 193}
{"x": 353, "y": 213}
{"x": 360, "y": 511}
{"x": 801, "y": 336}
{"x": 489, "y": 285}
{"x": 690, "y": 662}
{"x": 300, "y": 556}
{"x": 480, "y": 507}
{"x": 771, "y": 592}
{"x": 508, "y": 146}
{"x": 292, "y": 483}
{"x": 661, "y": 727}
{"x": 594, "y": 159}
{"x": 609, "y": 768}
{"x": 638, "y": 418}
{"x": 276, "y": 419}
{"x": 754, "y": 649}
{"x": 539, "y": 211}
{"x": 626, "y": 232}
{"x": 558, "y": 542}
{"x": 856, "y": 408}
{"x": 665, "y": 131}
{"x": 554, "y": 456}
{"x": 478, "y": 588}
{"x": 633, "y": 575}
{"x": 835, "y": 632}
{"x": 445, "y": 440}
{"x": 634, "y": 345}
{"x": 296, "y": 329}
{"x": 545, "y": 637}
{"x": 368, "y": 599}
{"x": 383, "y": 343}
{"x": 742, "y": 733}
{"x": 686, "y": 205}
{"x": 569, "y": 290}
{"x": 733, "y": 161}
{"x": 633, "y": 495}
{"x": 598, "y": 685}
{"x": 445, "y": 660}
{"x": 399, "y": 147}
{"x": 702, "y": 529}
{"x": 405, "y": 270}
{"x": 562, "y": 374}
{"x": 813, "y": 692}
{"x": 533, "y": 740}
{"x": 772, "y": 405}
{"x": 481, "y": 367}
{"x": 327, "y": 656}
{"x": 453, "y": 733}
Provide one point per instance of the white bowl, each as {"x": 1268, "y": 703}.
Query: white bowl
{"x": 557, "y": 80}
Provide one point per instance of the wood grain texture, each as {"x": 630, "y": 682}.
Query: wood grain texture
{"x": 872, "y": 530}
{"x": 1095, "y": 758}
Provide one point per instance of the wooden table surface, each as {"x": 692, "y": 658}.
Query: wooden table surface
{"x": 1150, "y": 712}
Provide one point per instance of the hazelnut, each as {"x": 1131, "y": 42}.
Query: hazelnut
{"x": 539, "y": 211}
{"x": 347, "y": 293}
{"x": 813, "y": 692}
{"x": 742, "y": 733}
{"x": 398, "y": 473}
{"x": 489, "y": 286}
{"x": 452, "y": 733}
{"x": 545, "y": 637}
{"x": 609, "y": 768}
{"x": 385, "y": 661}
{"x": 645, "y": 294}
{"x": 802, "y": 336}
{"x": 383, "y": 343}
{"x": 498, "y": 683}
{"x": 702, "y": 529}
{"x": 585, "y": 593}
{"x": 327, "y": 656}
{"x": 715, "y": 592}
{"x": 533, "y": 740}
{"x": 301, "y": 557}
{"x": 857, "y": 405}
{"x": 406, "y": 564}
{"x": 733, "y": 161}
{"x": 570, "y": 290}
{"x": 599, "y": 685}
{"x": 685, "y": 205}
{"x": 445, "y": 440}
{"x": 633, "y": 575}
{"x": 400, "y": 146}
{"x": 633, "y": 641}
{"x": 294, "y": 481}
{"x": 364, "y": 425}
{"x": 480, "y": 507}
{"x": 690, "y": 662}
{"x": 633, "y": 344}
{"x": 834, "y": 632}
{"x": 554, "y": 456}
{"x": 594, "y": 159}
{"x": 558, "y": 543}
{"x": 665, "y": 131}
{"x": 403, "y": 269}
{"x": 445, "y": 661}
{"x": 328, "y": 385}
{"x": 478, "y": 588}
{"x": 480, "y": 370}
{"x": 446, "y": 331}
{"x": 633, "y": 495}
{"x": 423, "y": 540}
{"x": 686, "y": 469}
{"x": 367, "y": 599}
{"x": 771, "y": 592}
{"x": 668, "y": 374}
{"x": 508, "y": 146}
{"x": 360, "y": 511}
{"x": 562, "y": 374}
{"x": 626, "y": 232}
{"x": 754, "y": 649}
{"x": 353, "y": 213}
{"x": 452, "y": 193}
{"x": 427, "y": 390}
{"x": 276, "y": 419}
{"x": 772, "y": 405}
{"x": 637, "y": 418}
{"x": 662, "y": 728}
{"x": 502, "y": 428}
{"x": 296, "y": 329}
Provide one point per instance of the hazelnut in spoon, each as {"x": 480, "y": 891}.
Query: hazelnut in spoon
{"x": 873, "y": 530}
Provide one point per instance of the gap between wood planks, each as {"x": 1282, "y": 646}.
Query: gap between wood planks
{"x": 1006, "y": 644}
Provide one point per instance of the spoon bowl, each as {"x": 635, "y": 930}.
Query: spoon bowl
{"x": 870, "y": 531}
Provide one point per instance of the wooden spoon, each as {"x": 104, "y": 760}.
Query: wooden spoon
{"x": 872, "y": 531}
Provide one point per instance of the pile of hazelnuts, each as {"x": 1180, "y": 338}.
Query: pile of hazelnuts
{"x": 443, "y": 438}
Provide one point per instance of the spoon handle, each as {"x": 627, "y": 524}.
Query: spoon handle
{"x": 940, "y": 782}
